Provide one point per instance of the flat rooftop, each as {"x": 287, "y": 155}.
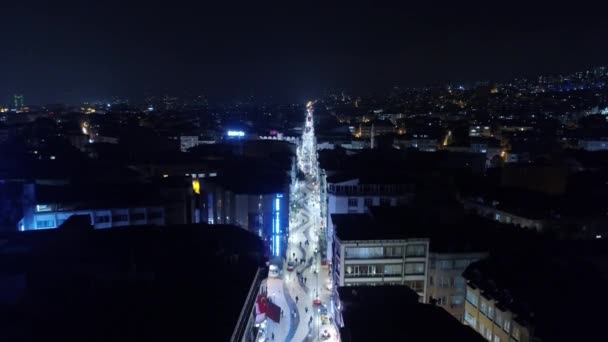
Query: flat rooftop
{"x": 365, "y": 227}
{"x": 543, "y": 288}
{"x": 393, "y": 313}
{"x": 145, "y": 283}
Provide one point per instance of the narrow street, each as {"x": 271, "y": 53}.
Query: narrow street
{"x": 303, "y": 291}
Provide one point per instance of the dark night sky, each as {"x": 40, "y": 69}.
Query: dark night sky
{"x": 292, "y": 50}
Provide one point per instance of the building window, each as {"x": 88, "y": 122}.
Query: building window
{"x": 506, "y": 325}
{"x": 414, "y": 268}
{"x": 353, "y": 202}
{"x": 431, "y": 282}
{"x": 457, "y": 300}
{"x": 102, "y": 219}
{"x": 498, "y": 319}
{"x": 364, "y": 252}
{"x": 120, "y": 218}
{"x": 393, "y": 252}
{"x": 416, "y": 285}
{"x": 491, "y": 312}
{"x": 444, "y": 282}
{"x": 482, "y": 329}
{"x": 43, "y": 207}
{"x": 415, "y": 250}
{"x": 459, "y": 282}
{"x": 461, "y": 263}
{"x": 445, "y": 264}
{"x": 442, "y": 300}
{"x": 488, "y": 334}
{"x": 42, "y": 224}
{"x": 368, "y": 202}
{"x": 393, "y": 270}
{"x": 483, "y": 308}
{"x": 470, "y": 319}
{"x": 385, "y": 202}
{"x": 471, "y": 298}
{"x": 496, "y": 338}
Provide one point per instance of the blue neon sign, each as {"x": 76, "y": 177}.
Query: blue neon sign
{"x": 276, "y": 226}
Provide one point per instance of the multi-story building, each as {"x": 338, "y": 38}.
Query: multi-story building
{"x": 505, "y": 215}
{"x": 353, "y": 194}
{"x": 366, "y": 253}
{"x": 46, "y": 206}
{"x": 445, "y": 284}
{"x": 255, "y": 203}
{"x": 394, "y": 313}
{"x": 52, "y": 216}
{"x": 531, "y": 297}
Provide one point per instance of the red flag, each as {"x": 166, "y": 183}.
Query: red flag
{"x": 262, "y": 304}
{"x": 274, "y": 312}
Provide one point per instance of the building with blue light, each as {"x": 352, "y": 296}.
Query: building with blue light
{"x": 259, "y": 204}
{"x": 107, "y": 206}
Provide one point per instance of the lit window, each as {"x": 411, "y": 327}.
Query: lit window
{"x": 43, "y": 207}
{"x": 484, "y": 308}
{"x": 414, "y": 268}
{"x": 459, "y": 282}
{"x": 470, "y": 319}
{"x": 102, "y": 219}
{"x": 415, "y": 250}
{"x": 445, "y": 264}
{"x": 471, "y": 298}
{"x": 457, "y": 300}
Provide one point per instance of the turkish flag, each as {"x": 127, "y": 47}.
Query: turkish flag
{"x": 262, "y": 304}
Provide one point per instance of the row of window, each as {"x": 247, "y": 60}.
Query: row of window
{"x": 411, "y": 250}
{"x": 492, "y": 314}
{"x": 370, "y": 188}
{"x": 448, "y": 264}
{"x": 455, "y": 300}
{"x": 125, "y": 217}
{"x": 411, "y": 268}
{"x": 448, "y": 282}
{"x": 368, "y": 202}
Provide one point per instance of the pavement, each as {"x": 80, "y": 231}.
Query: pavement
{"x": 295, "y": 294}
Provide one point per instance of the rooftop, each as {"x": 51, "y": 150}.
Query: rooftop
{"x": 393, "y": 313}
{"x": 544, "y": 291}
{"x": 365, "y": 227}
{"x": 142, "y": 283}
{"x": 449, "y": 228}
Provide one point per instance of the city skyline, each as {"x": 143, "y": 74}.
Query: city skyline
{"x": 71, "y": 52}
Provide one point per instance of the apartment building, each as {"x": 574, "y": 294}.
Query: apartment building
{"x": 354, "y": 194}
{"x": 371, "y": 254}
{"x": 48, "y": 206}
{"x": 534, "y": 297}
{"x": 446, "y": 286}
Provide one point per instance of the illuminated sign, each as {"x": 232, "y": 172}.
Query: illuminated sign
{"x": 276, "y": 226}
{"x": 196, "y": 186}
{"x": 236, "y": 133}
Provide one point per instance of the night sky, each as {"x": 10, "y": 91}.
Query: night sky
{"x": 70, "y": 52}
